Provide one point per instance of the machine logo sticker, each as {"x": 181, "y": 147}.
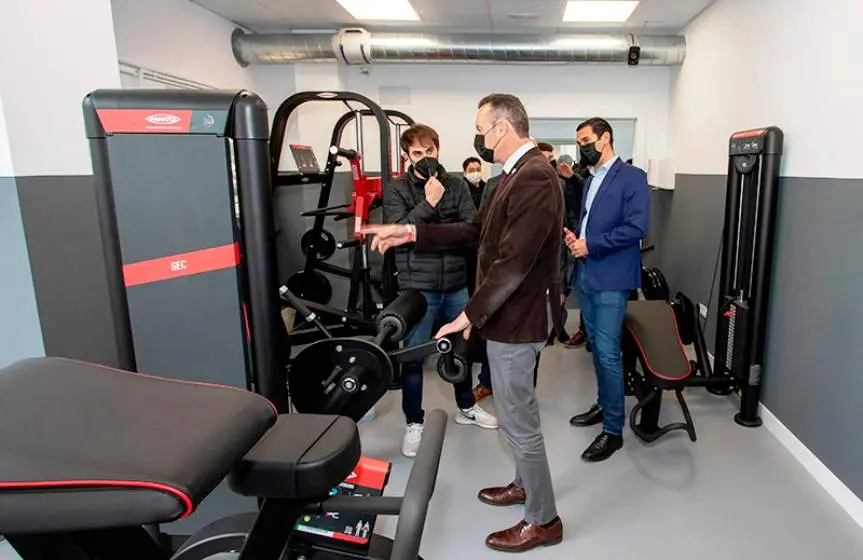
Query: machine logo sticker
{"x": 208, "y": 121}
{"x": 163, "y": 119}
{"x": 145, "y": 121}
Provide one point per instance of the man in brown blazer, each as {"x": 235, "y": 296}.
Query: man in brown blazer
{"x": 519, "y": 235}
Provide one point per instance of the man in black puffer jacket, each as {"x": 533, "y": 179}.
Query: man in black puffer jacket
{"x": 426, "y": 193}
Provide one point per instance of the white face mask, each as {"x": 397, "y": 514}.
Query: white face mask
{"x": 474, "y": 177}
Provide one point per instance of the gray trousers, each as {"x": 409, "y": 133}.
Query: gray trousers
{"x": 517, "y": 411}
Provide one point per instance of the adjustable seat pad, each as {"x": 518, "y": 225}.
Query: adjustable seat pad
{"x": 653, "y": 327}
{"x": 301, "y": 458}
{"x": 87, "y": 447}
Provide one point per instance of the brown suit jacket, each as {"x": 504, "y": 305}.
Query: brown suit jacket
{"x": 518, "y": 233}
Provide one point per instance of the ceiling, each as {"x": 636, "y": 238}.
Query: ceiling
{"x": 453, "y": 16}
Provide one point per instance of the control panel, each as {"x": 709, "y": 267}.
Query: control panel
{"x": 747, "y": 142}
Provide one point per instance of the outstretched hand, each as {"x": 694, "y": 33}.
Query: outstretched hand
{"x": 386, "y": 236}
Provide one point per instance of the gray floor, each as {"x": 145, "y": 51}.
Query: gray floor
{"x": 736, "y": 493}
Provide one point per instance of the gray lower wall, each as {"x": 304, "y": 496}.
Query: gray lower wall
{"x": 20, "y": 332}
{"x": 63, "y": 240}
{"x": 812, "y": 379}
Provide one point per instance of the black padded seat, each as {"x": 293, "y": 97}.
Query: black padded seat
{"x": 301, "y": 458}
{"x": 653, "y": 328}
{"x": 85, "y": 447}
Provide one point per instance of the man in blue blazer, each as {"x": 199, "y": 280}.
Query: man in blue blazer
{"x": 614, "y": 219}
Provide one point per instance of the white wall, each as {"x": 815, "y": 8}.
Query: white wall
{"x": 48, "y": 65}
{"x": 180, "y": 38}
{"x": 445, "y": 97}
{"x": 789, "y": 63}
{"x": 6, "y": 167}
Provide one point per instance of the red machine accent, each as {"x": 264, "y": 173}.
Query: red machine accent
{"x": 366, "y": 190}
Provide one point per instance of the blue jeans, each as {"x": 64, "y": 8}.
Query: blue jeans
{"x": 603, "y": 313}
{"x": 443, "y": 307}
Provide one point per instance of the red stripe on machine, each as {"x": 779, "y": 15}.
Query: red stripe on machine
{"x": 749, "y": 133}
{"x": 152, "y": 121}
{"x": 177, "y": 266}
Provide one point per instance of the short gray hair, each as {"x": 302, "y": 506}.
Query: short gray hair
{"x": 509, "y": 107}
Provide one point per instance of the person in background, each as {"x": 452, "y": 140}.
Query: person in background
{"x": 519, "y": 236}
{"x": 472, "y": 168}
{"x": 573, "y": 192}
{"x": 566, "y": 260}
{"x": 614, "y": 220}
{"x": 427, "y": 194}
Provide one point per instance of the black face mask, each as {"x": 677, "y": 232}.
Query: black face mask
{"x": 484, "y": 153}
{"x": 589, "y": 154}
{"x": 427, "y": 168}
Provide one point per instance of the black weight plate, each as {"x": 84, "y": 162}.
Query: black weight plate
{"x": 319, "y": 245}
{"x": 313, "y": 366}
{"x": 313, "y": 286}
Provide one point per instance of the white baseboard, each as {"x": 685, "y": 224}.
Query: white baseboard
{"x": 843, "y": 495}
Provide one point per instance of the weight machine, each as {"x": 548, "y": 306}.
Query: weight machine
{"x": 368, "y": 292}
{"x": 656, "y": 332}
{"x": 197, "y": 300}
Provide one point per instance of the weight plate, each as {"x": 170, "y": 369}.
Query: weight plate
{"x": 313, "y": 286}
{"x": 312, "y": 389}
{"x": 318, "y": 245}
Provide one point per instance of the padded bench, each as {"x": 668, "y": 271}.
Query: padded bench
{"x": 86, "y": 447}
{"x": 651, "y": 338}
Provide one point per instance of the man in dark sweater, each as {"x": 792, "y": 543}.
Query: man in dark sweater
{"x": 427, "y": 194}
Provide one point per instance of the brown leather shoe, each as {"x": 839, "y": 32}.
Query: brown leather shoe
{"x": 525, "y": 536}
{"x": 502, "y": 495}
{"x": 576, "y": 340}
{"x": 480, "y": 392}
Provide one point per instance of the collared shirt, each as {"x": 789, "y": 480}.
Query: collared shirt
{"x": 598, "y": 178}
{"x": 517, "y": 155}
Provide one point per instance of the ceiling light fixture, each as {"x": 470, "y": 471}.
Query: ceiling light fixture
{"x": 599, "y": 11}
{"x": 390, "y": 10}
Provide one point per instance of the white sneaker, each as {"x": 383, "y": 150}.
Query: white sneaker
{"x": 476, "y": 416}
{"x": 412, "y": 439}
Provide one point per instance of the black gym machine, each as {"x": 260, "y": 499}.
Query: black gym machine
{"x": 195, "y": 298}
{"x": 369, "y": 292}
{"x": 656, "y": 332}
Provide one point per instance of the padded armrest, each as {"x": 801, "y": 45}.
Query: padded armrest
{"x": 302, "y": 457}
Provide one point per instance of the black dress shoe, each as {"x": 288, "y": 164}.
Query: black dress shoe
{"x": 602, "y": 447}
{"x": 589, "y": 418}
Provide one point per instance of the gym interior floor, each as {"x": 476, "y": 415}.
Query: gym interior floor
{"x": 735, "y": 492}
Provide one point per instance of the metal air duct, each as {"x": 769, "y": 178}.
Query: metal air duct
{"x": 358, "y": 47}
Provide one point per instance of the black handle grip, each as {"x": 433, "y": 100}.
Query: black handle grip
{"x": 341, "y": 152}
{"x": 349, "y": 243}
{"x": 452, "y": 365}
{"x": 307, "y": 313}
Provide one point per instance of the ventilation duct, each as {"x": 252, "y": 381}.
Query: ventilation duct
{"x": 358, "y": 47}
